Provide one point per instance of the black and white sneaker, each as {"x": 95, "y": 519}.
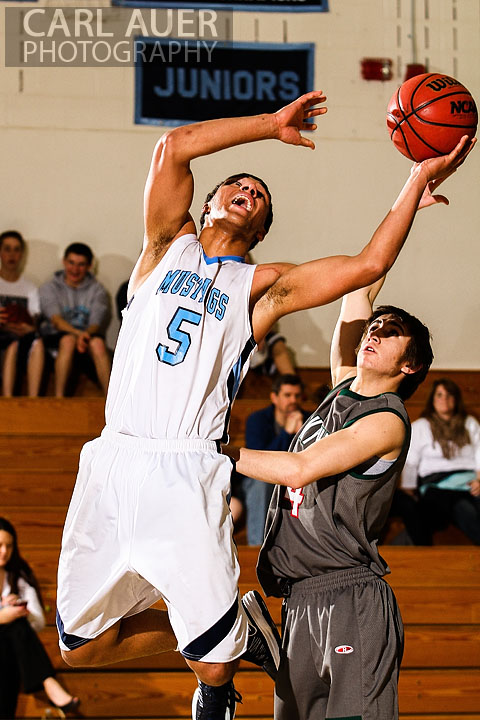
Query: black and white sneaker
{"x": 264, "y": 641}
{"x": 215, "y": 703}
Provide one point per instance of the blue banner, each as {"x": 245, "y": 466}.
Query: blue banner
{"x": 250, "y": 5}
{"x": 178, "y": 82}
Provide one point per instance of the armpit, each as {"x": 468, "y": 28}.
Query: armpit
{"x": 276, "y": 294}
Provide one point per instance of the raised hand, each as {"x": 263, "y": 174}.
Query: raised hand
{"x": 292, "y": 119}
{"x": 440, "y": 168}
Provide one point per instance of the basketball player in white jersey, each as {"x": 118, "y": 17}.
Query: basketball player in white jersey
{"x": 149, "y": 516}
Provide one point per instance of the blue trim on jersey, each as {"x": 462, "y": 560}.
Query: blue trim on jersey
{"x": 71, "y": 641}
{"x": 203, "y": 644}
{"x": 236, "y": 373}
{"x": 222, "y": 258}
{"x": 233, "y": 381}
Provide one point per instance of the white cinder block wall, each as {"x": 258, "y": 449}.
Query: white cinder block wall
{"x": 74, "y": 165}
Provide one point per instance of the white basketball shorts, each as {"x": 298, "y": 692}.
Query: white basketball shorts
{"x": 150, "y": 519}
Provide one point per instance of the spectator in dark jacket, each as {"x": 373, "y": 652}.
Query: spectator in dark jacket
{"x": 272, "y": 428}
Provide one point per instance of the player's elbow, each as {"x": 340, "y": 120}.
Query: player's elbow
{"x": 374, "y": 268}
{"x": 295, "y": 482}
{"x": 163, "y": 147}
{"x": 169, "y": 147}
{"x": 298, "y": 482}
{"x": 299, "y": 474}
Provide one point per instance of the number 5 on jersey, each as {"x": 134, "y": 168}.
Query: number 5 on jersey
{"x": 178, "y": 335}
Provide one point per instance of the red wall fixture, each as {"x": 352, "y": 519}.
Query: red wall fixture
{"x": 377, "y": 69}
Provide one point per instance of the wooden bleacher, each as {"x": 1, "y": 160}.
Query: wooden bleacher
{"x": 438, "y": 588}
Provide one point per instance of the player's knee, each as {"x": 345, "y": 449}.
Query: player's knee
{"x": 70, "y": 657}
{"x": 83, "y": 656}
{"x": 215, "y": 674}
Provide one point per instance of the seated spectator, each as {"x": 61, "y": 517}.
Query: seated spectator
{"x": 19, "y": 310}
{"x": 77, "y": 308}
{"x": 442, "y": 470}
{"x": 272, "y": 428}
{"x": 23, "y": 660}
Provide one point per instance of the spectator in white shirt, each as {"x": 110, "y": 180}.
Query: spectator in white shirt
{"x": 443, "y": 463}
{"x": 19, "y": 310}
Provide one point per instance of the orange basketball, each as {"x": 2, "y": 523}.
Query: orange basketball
{"x": 428, "y": 115}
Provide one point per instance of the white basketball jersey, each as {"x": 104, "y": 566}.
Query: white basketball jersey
{"x": 183, "y": 348}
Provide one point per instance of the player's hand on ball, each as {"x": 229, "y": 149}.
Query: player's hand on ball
{"x": 440, "y": 168}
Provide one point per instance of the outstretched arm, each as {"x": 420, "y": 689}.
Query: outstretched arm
{"x": 321, "y": 281}
{"x": 379, "y": 434}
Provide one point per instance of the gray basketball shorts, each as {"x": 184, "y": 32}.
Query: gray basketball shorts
{"x": 342, "y": 648}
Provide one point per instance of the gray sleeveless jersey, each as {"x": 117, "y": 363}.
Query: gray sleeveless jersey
{"x": 334, "y": 523}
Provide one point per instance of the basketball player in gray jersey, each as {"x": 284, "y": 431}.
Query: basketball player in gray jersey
{"x": 342, "y": 630}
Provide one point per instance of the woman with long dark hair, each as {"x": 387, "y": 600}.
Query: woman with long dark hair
{"x": 443, "y": 463}
{"x": 23, "y": 660}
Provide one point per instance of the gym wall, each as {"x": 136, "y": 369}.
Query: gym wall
{"x": 74, "y": 165}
